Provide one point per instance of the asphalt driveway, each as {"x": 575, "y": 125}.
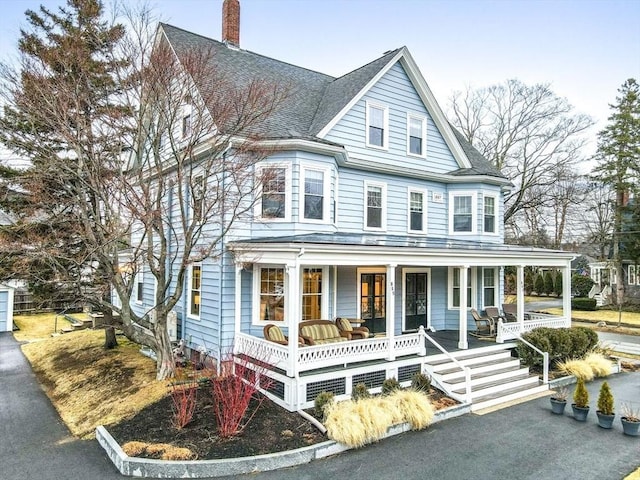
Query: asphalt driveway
{"x": 520, "y": 442}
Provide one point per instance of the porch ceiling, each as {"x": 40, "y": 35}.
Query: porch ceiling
{"x": 367, "y": 249}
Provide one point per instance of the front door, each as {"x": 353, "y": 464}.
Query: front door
{"x": 416, "y": 300}
{"x": 373, "y": 302}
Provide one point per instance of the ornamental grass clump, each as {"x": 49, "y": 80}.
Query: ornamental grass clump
{"x": 580, "y": 395}
{"x": 605, "y": 400}
{"x": 421, "y": 383}
{"x": 415, "y": 408}
{"x": 599, "y": 364}
{"x": 579, "y": 368}
{"x": 360, "y": 391}
{"x": 321, "y": 404}
{"x": 390, "y": 385}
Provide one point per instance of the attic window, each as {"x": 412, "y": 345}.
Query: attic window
{"x": 416, "y": 135}
{"x": 186, "y": 125}
{"x": 377, "y": 125}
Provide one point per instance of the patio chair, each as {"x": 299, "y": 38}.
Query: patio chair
{"x": 275, "y": 335}
{"x": 510, "y": 311}
{"x": 494, "y": 313}
{"x": 485, "y": 326}
{"x": 355, "y": 333}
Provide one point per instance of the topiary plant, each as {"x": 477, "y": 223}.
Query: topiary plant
{"x": 360, "y": 391}
{"x": 421, "y": 382}
{"x": 322, "y": 402}
{"x": 538, "y": 285}
{"x": 580, "y": 395}
{"x": 390, "y": 385}
{"x": 605, "y": 400}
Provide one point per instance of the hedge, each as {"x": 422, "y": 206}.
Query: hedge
{"x": 561, "y": 344}
{"x": 583, "y": 304}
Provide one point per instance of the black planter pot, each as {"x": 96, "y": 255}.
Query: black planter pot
{"x": 630, "y": 428}
{"x": 580, "y": 413}
{"x": 605, "y": 421}
{"x": 557, "y": 406}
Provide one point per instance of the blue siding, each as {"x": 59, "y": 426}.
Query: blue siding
{"x": 396, "y": 91}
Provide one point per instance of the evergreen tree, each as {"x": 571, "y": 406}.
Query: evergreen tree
{"x": 618, "y": 156}
{"x": 558, "y": 284}
{"x": 548, "y": 283}
{"x": 538, "y": 285}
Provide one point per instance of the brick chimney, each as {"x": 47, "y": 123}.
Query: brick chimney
{"x": 231, "y": 22}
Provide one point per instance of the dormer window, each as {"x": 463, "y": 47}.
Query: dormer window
{"x": 186, "y": 125}
{"x": 377, "y": 126}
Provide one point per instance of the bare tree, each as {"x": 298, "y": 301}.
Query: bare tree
{"x": 162, "y": 168}
{"x": 527, "y": 132}
{"x": 597, "y": 217}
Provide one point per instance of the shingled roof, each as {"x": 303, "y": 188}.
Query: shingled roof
{"x": 313, "y": 99}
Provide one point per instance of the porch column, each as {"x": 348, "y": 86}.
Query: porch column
{"x": 463, "y": 343}
{"x": 566, "y": 293}
{"x": 292, "y": 315}
{"x": 237, "y": 296}
{"x": 391, "y": 310}
{"x": 520, "y": 297}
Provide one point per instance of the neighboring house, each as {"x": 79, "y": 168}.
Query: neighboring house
{"x": 6, "y": 308}
{"x": 604, "y": 275}
{"x": 379, "y": 210}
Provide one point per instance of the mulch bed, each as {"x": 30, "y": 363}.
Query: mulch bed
{"x": 272, "y": 429}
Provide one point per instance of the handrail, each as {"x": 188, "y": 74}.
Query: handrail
{"x": 545, "y": 359}
{"x": 466, "y": 370}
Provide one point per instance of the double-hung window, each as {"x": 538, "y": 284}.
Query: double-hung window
{"x": 271, "y": 294}
{"x": 489, "y": 287}
{"x": 490, "y": 214}
{"x": 416, "y": 135}
{"x": 140, "y": 283}
{"x": 377, "y": 126}
{"x": 274, "y": 193}
{"x": 314, "y": 194}
{"x": 186, "y": 125}
{"x": 375, "y": 206}
{"x": 462, "y": 216}
{"x": 312, "y": 293}
{"x": 632, "y": 275}
{"x": 195, "y": 290}
{"x": 455, "y": 285}
{"x": 417, "y": 211}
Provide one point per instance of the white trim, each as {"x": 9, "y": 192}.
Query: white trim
{"x": 474, "y": 210}
{"x": 423, "y": 130}
{"x": 383, "y": 214}
{"x": 326, "y": 192}
{"x": 404, "y": 293}
{"x": 631, "y": 275}
{"x": 496, "y": 286}
{"x": 255, "y": 295}
{"x": 471, "y": 302}
{"x": 324, "y": 299}
{"x": 425, "y": 197}
{"x": 385, "y": 127}
{"x": 190, "y": 291}
{"x": 495, "y": 213}
{"x": 287, "y": 191}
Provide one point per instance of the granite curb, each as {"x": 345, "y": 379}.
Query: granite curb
{"x": 150, "y": 468}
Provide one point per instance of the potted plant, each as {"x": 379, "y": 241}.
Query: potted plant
{"x": 580, "y": 403}
{"x": 630, "y": 420}
{"x": 605, "y": 407}
{"x": 559, "y": 400}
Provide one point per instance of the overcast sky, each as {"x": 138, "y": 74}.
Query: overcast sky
{"x": 585, "y": 49}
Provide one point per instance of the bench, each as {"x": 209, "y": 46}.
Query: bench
{"x": 318, "y": 332}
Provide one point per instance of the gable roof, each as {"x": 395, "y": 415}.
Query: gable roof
{"x": 316, "y": 100}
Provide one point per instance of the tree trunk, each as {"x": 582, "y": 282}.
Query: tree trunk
{"x": 165, "y": 367}
{"x": 110, "y": 340}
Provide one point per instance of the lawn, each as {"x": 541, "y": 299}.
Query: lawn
{"x": 609, "y": 316}
{"x": 88, "y": 385}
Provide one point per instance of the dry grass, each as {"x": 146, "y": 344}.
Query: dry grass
{"x": 163, "y": 451}
{"x": 36, "y": 327}
{"x": 600, "y": 365}
{"x": 609, "y": 316}
{"x": 134, "y": 449}
{"x": 633, "y": 475}
{"x": 356, "y": 423}
{"x": 579, "y": 368}
{"x": 91, "y": 386}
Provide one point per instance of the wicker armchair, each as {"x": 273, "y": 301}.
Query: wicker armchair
{"x": 355, "y": 333}
{"x": 485, "y": 326}
{"x": 275, "y": 335}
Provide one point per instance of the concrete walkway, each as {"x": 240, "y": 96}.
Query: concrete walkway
{"x": 520, "y": 442}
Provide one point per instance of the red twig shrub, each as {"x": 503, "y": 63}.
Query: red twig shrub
{"x": 184, "y": 394}
{"x": 233, "y": 391}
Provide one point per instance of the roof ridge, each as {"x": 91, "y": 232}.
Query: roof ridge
{"x": 244, "y": 50}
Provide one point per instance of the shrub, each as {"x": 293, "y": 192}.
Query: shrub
{"x": 561, "y": 343}
{"x": 579, "y": 368}
{"x": 584, "y": 304}
{"x": 390, "y": 385}
{"x": 360, "y": 391}
{"x": 538, "y": 285}
{"x": 581, "y": 285}
{"x": 548, "y": 283}
{"x": 580, "y": 395}
{"x": 421, "y": 382}
{"x": 605, "y": 400}
{"x": 600, "y": 365}
{"x": 528, "y": 281}
{"x": 584, "y": 340}
{"x": 322, "y": 402}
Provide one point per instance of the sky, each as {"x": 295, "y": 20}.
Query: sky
{"x": 585, "y": 49}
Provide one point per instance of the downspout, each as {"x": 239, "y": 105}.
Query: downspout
{"x": 222, "y": 257}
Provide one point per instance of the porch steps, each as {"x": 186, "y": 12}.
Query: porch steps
{"x": 496, "y": 376}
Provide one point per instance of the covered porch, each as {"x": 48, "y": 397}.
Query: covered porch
{"x": 368, "y": 277}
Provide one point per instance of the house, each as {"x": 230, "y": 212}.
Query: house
{"x": 377, "y": 209}
{"x": 603, "y": 273}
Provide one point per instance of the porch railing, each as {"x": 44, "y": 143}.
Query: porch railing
{"x": 545, "y": 359}
{"x": 512, "y": 330}
{"x": 312, "y": 357}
